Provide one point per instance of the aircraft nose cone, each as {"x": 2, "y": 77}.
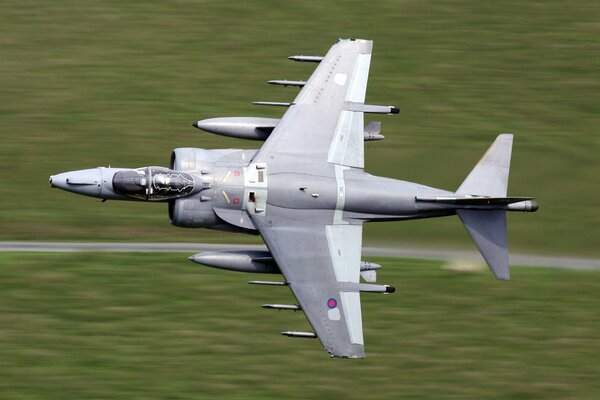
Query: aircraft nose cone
{"x": 195, "y": 124}
{"x": 58, "y": 181}
{"x": 86, "y": 182}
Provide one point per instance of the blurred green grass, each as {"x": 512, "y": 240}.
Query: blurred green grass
{"x": 89, "y": 83}
{"x": 138, "y": 326}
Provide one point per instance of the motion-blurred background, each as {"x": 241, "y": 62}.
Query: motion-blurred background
{"x": 98, "y": 83}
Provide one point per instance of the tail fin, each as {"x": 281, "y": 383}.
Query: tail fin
{"x": 490, "y": 175}
{"x": 488, "y": 231}
{"x": 487, "y": 228}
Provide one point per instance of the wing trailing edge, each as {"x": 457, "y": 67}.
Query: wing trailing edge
{"x": 481, "y": 204}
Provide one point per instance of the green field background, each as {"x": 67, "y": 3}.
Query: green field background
{"x": 147, "y": 326}
{"x": 98, "y": 83}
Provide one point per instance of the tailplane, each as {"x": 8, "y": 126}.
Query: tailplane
{"x": 481, "y": 205}
{"x": 490, "y": 175}
{"x": 488, "y": 231}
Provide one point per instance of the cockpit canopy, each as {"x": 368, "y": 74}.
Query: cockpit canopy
{"x": 153, "y": 183}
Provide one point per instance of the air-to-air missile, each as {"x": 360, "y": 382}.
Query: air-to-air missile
{"x": 313, "y": 59}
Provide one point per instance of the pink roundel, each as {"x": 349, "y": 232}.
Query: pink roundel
{"x": 332, "y": 303}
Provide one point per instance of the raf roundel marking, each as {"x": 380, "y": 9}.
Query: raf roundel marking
{"x": 332, "y": 303}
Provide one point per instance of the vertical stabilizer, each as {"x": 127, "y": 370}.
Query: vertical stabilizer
{"x": 488, "y": 230}
{"x": 488, "y": 227}
{"x": 490, "y": 175}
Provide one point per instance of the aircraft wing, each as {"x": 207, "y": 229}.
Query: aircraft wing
{"x": 325, "y": 123}
{"x": 317, "y": 140}
{"x": 321, "y": 264}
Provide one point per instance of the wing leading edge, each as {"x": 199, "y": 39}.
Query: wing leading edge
{"x": 325, "y": 123}
{"x": 320, "y": 136}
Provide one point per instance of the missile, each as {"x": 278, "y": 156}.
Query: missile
{"x": 285, "y": 82}
{"x": 282, "y": 307}
{"x": 373, "y": 131}
{"x": 272, "y": 103}
{"x": 313, "y": 59}
{"x": 369, "y": 266}
{"x": 254, "y": 128}
{"x": 368, "y": 271}
{"x": 267, "y": 283}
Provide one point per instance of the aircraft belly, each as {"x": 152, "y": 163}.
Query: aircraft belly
{"x": 370, "y": 195}
{"x": 301, "y": 191}
{"x": 229, "y": 196}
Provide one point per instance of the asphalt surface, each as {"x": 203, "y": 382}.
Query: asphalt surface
{"x": 426, "y": 254}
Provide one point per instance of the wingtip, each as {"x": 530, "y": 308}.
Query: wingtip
{"x": 502, "y": 275}
{"x": 507, "y": 137}
{"x": 349, "y": 356}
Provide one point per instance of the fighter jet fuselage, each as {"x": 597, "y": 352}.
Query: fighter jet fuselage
{"x": 218, "y": 189}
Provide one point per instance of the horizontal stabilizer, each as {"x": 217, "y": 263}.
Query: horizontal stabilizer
{"x": 369, "y": 266}
{"x": 304, "y": 335}
{"x": 487, "y": 228}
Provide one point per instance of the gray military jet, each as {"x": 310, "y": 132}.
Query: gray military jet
{"x": 307, "y": 194}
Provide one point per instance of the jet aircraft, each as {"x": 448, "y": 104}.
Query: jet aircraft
{"x": 306, "y": 193}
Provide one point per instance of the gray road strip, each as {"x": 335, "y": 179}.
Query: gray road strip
{"x": 426, "y": 254}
